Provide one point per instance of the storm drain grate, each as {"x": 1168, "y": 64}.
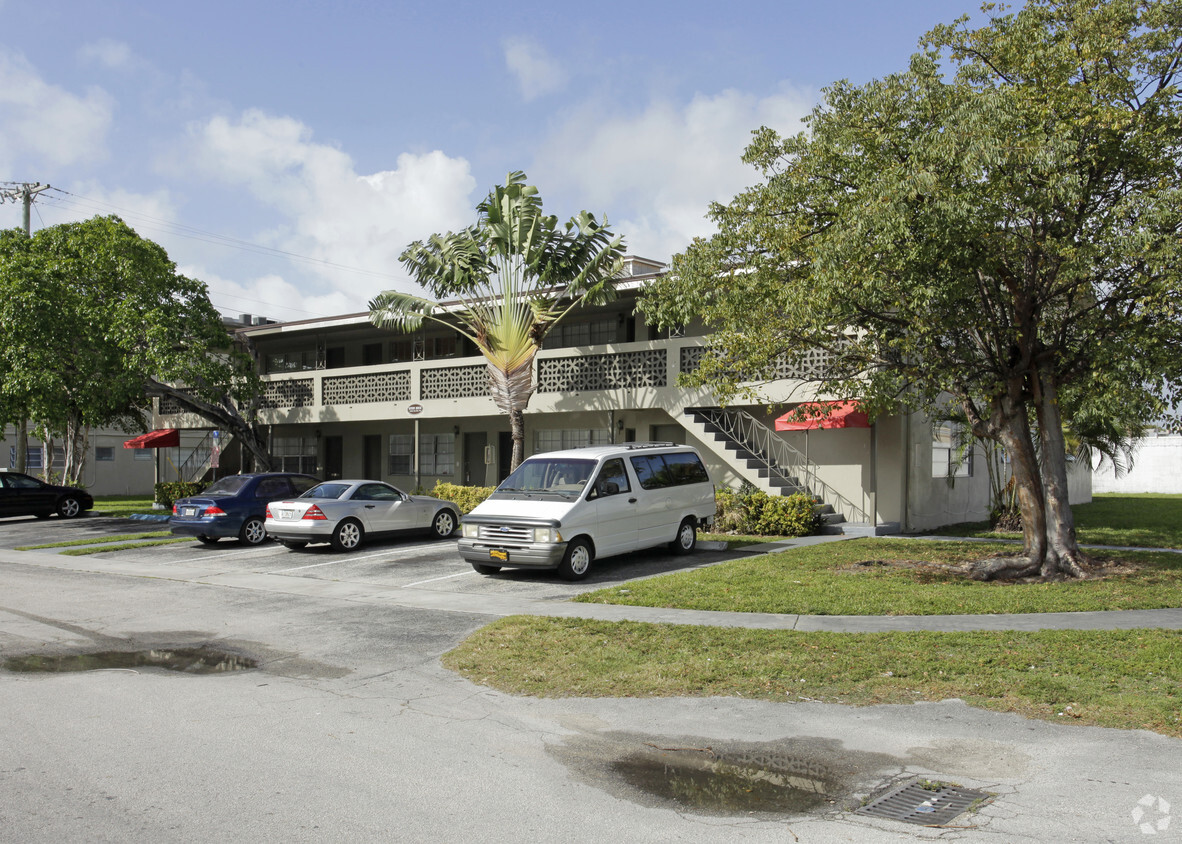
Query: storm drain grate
{"x": 925, "y": 803}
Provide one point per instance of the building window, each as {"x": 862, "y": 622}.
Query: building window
{"x": 402, "y": 454}
{"x": 291, "y": 361}
{"x": 951, "y": 456}
{"x": 144, "y": 453}
{"x": 104, "y": 453}
{"x": 555, "y": 439}
{"x": 371, "y": 354}
{"x": 294, "y": 454}
{"x": 597, "y": 333}
{"x": 437, "y": 454}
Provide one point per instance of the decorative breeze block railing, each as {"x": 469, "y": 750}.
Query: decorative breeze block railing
{"x": 810, "y": 366}
{"x": 625, "y": 371}
{"x": 366, "y": 389}
{"x": 454, "y": 382}
{"x": 297, "y": 392}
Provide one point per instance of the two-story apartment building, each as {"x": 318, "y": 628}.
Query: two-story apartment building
{"x": 347, "y": 399}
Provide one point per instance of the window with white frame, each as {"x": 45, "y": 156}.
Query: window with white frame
{"x": 437, "y": 454}
{"x": 553, "y": 439}
{"x": 294, "y": 454}
{"x": 402, "y": 454}
{"x": 594, "y": 333}
{"x": 952, "y": 457}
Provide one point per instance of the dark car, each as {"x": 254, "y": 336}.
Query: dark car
{"x": 235, "y": 506}
{"x": 24, "y": 495}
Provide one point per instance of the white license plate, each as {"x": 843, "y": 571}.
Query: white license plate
{"x": 189, "y": 511}
{"x": 283, "y": 514}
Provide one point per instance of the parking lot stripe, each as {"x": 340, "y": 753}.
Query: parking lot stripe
{"x": 433, "y": 579}
{"x": 331, "y": 563}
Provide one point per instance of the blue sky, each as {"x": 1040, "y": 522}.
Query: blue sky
{"x": 286, "y": 152}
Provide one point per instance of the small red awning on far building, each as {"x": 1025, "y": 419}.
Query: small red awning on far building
{"x": 823, "y": 414}
{"x": 164, "y": 438}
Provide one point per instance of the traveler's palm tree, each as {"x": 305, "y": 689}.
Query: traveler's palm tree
{"x": 513, "y": 276}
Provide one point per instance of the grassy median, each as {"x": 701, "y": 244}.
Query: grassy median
{"x": 1129, "y": 679}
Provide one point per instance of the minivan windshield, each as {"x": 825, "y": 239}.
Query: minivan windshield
{"x": 559, "y": 476}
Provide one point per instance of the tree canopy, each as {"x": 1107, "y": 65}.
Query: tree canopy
{"x": 995, "y": 227}
{"x": 96, "y": 320}
{"x": 506, "y": 282}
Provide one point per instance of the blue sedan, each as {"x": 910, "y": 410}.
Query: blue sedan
{"x": 235, "y": 506}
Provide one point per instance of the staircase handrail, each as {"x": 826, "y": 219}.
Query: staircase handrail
{"x": 780, "y": 456}
{"x": 194, "y": 467}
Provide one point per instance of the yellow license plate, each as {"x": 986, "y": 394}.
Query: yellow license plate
{"x": 498, "y": 554}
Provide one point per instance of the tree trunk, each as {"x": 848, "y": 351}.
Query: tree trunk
{"x": 1063, "y": 556}
{"x": 224, "y": 415}
{"x": 22, "y": 445}
{"x": 511, "y": 392}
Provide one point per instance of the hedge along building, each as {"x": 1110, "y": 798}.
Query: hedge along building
{"x": 344, "y": 398}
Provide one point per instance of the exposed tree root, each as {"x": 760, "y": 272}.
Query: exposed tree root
{"x": 1051, "y": 568}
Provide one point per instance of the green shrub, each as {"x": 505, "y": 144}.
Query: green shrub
{"x": 755, "y": 513}
{"x": 169, "y": 491}
{"x": 464, "y": 497}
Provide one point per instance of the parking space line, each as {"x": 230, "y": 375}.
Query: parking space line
{"x": 433, "y": 579}
{"x": 330, "y": 563}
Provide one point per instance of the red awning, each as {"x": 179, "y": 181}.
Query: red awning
{"x": 166, "y": 438}
{"x": 823, "y": 414}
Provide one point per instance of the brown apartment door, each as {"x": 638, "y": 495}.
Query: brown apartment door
{"x": 475, "y": 473}
{"x": 371, "y": 451}
{"x": 334, "y": 458}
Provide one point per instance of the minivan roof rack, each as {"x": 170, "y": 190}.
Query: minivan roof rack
{"x": 632, "y": 446}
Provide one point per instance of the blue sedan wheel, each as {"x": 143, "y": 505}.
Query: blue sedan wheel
{"x": 253, "y": 531}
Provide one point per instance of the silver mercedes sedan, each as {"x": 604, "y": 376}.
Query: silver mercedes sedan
{"x": 346, "y": 513}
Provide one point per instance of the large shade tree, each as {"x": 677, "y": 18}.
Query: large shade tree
{"x": 504, "y": 283}
{"x": 96, "y": 321}
{"x": 996, "y": 228}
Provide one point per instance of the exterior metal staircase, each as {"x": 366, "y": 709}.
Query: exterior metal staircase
{"x": 198, "y": 464}
{"x": 770, "y": 464}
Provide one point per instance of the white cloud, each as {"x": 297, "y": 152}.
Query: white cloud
{"x": 108, "y": 53}
{"x": 270, "y": 296}
{"x": 332, "y": 213}
{"x": 537, "y": 72}
{"x": 654, "y": 173}
{"x": 44, "y": 125}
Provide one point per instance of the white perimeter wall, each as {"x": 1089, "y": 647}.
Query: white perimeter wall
{"x": 1157, "y": 467}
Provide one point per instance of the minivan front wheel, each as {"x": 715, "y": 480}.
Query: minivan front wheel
{"x": 687, "y": 537}
{"x": 576, "y": 562}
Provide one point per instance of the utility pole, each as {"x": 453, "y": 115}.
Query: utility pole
{"x": 24, "y": 192}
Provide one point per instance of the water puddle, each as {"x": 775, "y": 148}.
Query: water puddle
{"x": 186, "y": 660}
{"x": 787, "y": 777}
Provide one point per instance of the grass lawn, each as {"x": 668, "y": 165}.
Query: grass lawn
{"x": 124, "y": 506}
{"x": 1130, "y": 678}
{"x": 898, "y": 577}
{"x": 1146, "y": 521}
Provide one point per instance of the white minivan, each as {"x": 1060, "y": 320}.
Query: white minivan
{"x": 563, "y": 509}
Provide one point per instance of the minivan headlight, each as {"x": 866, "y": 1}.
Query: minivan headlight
{"x": 547, "y": 534}
{"x": 471, "y": 531}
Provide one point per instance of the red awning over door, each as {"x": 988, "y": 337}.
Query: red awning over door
{"x": 165, "y": 438}
{"x": 823, "y": 414}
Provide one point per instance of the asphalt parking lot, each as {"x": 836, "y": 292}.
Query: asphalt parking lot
{"x": 411, "y": 561}
{"x": 349, "y": 726}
